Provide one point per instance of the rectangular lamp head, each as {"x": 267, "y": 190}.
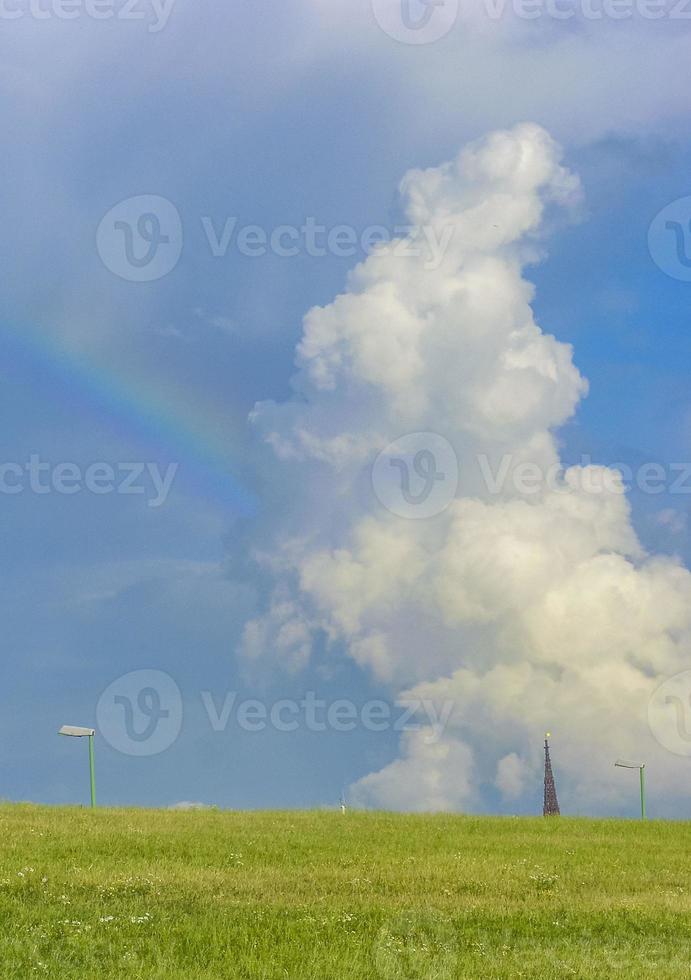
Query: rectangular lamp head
{"x": 76, "y": 731}
{"x": 623, "y": 764}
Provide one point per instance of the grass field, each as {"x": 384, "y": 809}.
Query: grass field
{"x": 325, "y": 895}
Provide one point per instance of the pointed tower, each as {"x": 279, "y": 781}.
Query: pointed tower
{"x": 551, "y": 803}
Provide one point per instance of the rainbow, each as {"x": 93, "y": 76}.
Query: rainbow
{"x": 160, "y": 416}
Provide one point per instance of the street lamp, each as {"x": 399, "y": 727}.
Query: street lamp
{"x": 623, "y": 764}
{"x": 76, "y": 732}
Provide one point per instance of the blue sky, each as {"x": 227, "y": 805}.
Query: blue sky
{"x": 273, "y": 114}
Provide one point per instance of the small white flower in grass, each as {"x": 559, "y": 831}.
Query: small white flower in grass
{"x": 140, "y": 919}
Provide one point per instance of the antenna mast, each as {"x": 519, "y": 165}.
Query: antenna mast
{"x": 551, "y": 803}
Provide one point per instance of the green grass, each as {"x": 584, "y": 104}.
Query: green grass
{"x": 130, "y": 893}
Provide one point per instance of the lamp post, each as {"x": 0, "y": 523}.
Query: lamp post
{"x": 623, "y": 764}
{"x": 76, "y": 732}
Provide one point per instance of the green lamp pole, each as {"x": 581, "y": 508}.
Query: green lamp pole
{"x": 623, "y": 764}
{"x": 642, "y": 772}
{"x": 92, "y": 770}
{"x": 76, "y": 732}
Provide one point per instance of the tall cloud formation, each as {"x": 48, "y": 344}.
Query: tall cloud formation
{"x": 529, "y": 604}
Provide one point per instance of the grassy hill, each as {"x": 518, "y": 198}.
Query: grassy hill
{"x": 324, "y": 895}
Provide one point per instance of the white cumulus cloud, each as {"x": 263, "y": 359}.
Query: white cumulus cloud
{"x": 528, "y": 607}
